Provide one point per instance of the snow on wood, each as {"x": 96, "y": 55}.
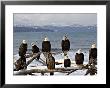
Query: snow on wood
{"x": 37, "y": 68}
{"x": 61, "y": 69}
{"x": 33, "y": 57}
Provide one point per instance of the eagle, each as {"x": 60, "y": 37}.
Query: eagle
{"x": 21, "y": 62}
{"x": 23, "y": 48}
{"x": 50, "y": 63}
{"x": 79, "y": 57}
{"x": 67, "y": 62}
{"x": 46, "y": 46}
{"x": 35, "y": 48}
{"x": 93, "y": 54}
{"x": 65, "y": 44}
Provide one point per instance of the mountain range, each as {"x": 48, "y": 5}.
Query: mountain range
{"x": 52, "y": 28}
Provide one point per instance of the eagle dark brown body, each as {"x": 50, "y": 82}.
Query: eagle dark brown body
{"x": 35, "y": 49}
{"x": 79, "y": 58}
{"x": 67, "y": 63}
{"x": 22, "y": 49}
{"x": 65, "y": 45}
{"x": 93, "y": 55}
{"x": 46, "y": 46}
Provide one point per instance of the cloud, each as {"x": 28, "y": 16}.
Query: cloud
{"x": 55, "y": 19}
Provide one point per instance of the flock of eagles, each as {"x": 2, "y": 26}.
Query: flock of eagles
{"x": 50, "y": 61}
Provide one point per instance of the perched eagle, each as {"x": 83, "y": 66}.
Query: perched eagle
{"x": 21, "y": 62}
{"x": 50, "y": 63}
{"x": 23, "y": 48}
{"x": 67, "y": 62}
{"x": 35, "y": 48}
{"x": 46, "y": 46}
{"x": 93, "y": 54}
{"x": 79, "y": 57}
{"x": 65, "y": 44}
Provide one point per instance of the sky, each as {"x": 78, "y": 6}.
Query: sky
{"x": 57, "y": 19}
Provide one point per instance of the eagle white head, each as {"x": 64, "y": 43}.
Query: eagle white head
{"x": 93, "y": 45}
{"x": 65, "y": 38}
{"x": 32, "y": 43}
{"x": 79, "y": 51}
{"x": 46, "y": 39}
{"x": 24, "y": 41}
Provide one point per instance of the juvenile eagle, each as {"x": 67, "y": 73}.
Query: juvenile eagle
{"x": 50, "y": 63}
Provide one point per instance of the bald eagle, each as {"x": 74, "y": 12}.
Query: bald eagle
{"x": 67, "y": 62}
{"x": 23, "y": 48}
{"x": 46, "y": 46}
{"x": 65, "y": 44}
{"x": 79, "y": 58}
{"x": 35, "y": 49}
{"x": 93, "y": 54}
{"x": 21, "y": 62}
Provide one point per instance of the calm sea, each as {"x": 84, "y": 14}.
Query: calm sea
{"x": 78, "y": 39}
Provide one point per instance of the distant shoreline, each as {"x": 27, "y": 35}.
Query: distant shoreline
{"x": 50, "y": 28}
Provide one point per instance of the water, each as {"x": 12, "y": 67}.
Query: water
{"x": 82, "y": 38}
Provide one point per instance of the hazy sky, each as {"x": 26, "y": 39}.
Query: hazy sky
{"x": 55, "y": 19}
